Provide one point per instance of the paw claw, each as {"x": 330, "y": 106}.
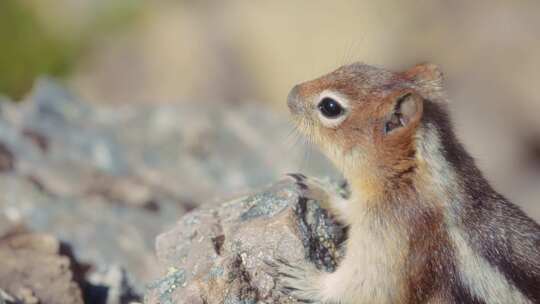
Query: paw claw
{"x": 302, "y": 186}
{"x": 283, "y": 274}
{"x": 289, "y": 289}
{"x": 270, "y": 263}
{"x": 286, "y": 263}
{"x": 297, "y": 176}
{"x": 296, "y": 280}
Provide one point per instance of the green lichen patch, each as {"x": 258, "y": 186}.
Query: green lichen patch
{"x": 174, "y": 279}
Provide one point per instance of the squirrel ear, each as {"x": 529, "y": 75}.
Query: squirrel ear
{"x": 425, "y": 72}
{"x": 406, "y": 112}
{"x": 428, "y": 77}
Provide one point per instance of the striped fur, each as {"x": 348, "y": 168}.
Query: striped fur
{"x": 425, "y": 226}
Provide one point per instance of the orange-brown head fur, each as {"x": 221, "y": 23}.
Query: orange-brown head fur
{"x": 374, "y": 141}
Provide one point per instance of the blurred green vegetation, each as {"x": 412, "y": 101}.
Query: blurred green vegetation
{"x": 28, "y": 49}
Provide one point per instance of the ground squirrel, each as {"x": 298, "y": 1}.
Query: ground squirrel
{"x": 424, "y": 224}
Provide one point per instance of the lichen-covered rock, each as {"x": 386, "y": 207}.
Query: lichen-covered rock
{"x": 221, "y": 254}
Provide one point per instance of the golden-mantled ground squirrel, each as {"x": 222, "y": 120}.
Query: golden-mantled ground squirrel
{"x": 424, "y": 224}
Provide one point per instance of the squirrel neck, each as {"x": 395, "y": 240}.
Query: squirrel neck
{"x": 443, "y": 172}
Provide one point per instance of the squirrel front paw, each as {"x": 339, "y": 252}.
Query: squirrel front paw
{"x": 298, "y": 280}
{"x": 315, "y": 189}
{"x": 329, "y": 197}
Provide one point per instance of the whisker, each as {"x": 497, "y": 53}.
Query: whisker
{"x": 292, "y": 136}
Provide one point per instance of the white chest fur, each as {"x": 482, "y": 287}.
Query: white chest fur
{"x": 371, "y": 270}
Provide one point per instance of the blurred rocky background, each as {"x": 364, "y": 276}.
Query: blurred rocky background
{"x": 176, "y": 103}
{"x": 102, "y": 181}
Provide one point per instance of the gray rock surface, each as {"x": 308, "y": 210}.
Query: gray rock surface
{"x": 221, "y": 254}
{"x": 106, "y": 180}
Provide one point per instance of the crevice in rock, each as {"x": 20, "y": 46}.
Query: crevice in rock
{"x": 218, "y": 243}
{"x": 247, "y": 291}
{"x": 321, "y": 244}
{"x": 95, "y": 293}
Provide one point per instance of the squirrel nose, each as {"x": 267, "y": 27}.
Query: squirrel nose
{"x": 293, "y": 101}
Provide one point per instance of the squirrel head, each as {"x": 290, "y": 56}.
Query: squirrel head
{"x": 366, "y": 118}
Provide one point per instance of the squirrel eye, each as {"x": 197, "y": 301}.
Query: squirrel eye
{"x": 330, "y": 108}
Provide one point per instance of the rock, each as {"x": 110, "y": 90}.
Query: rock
{"x": 35, "y": 271}
{"x": 107, "y": 179}
{"x": 220, "y": 254}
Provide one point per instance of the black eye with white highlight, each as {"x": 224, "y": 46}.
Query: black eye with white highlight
{"x": 330, "y": 108}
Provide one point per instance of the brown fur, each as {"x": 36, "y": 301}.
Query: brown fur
{"x": 403, "y": 189}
